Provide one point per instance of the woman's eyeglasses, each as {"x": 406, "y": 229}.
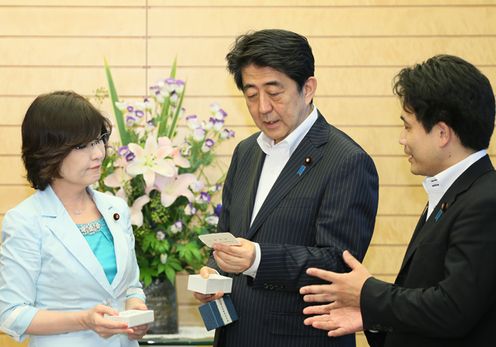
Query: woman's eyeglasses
{"x": 100, "y": 141}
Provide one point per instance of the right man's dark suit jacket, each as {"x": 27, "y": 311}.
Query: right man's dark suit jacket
{"x": 445, "y": 292}
{"x": 316, "y": 208}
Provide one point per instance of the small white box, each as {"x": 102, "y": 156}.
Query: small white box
{"x": 133, "y": 317}
{"x": 211, "y": 285}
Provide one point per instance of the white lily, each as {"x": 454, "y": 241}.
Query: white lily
{"x": 151, "y": 160}
{"x": 137, "y": 210}
{"x": 173, "y": 187}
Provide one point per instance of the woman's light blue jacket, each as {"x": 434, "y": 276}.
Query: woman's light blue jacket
{"x": 46, "y": 264}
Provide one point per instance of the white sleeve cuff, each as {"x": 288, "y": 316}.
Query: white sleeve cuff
{"x": 18, "y": 322}
{"x": 252, "y": 270}
{"x": 135, "y": 293}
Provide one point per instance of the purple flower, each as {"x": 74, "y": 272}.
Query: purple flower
{"x": 205, "y": 197}
{"x": 218, "y": 210}
{"x": 160, "y": 235}
{"x": 207, "y": 145}
{"x": 123, "y": 150}
{"x": 176, "y": 227}
{"x": 139, "y": 113}
{"x": 130, "y": 120}
{"x": 226, "y": 134}
{"x": 130, "y": 156}
{"x": 130, "y": 108}
{"x": 199, "y": 134}
{"x": 212, "y": 220}
{"x": 219, "y": 123}
{"x": 191, "y": 117}
{"x": 223, "y": 113}
{"x": 185, "y": 149}
{"x": 215, "y": 188}
{"x": 217, "y": 112}
{"x": 189, "y": 210}
{"x": 179, "y": 82}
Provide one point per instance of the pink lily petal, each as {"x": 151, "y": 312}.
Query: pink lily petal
{"x": 165, "y": 143}
{"x": 179, "y": 160}
{"x": 150, "y": 145}
{"x": 136, "y": 168}
{"x": 121, "y": 193}
{"x": 117, "y": 178}
{"x": 149, "y": 176}
{"x": 172, "y": 188}
{"x": 165, "y": 167}
{"x": 136, "y": 210}
{"x": 137, "y": 150}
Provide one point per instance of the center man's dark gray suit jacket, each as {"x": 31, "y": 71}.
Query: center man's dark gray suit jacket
{"x": 313, "y": 212}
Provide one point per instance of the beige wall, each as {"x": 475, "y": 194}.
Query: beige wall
{"x": 359, "y": 45}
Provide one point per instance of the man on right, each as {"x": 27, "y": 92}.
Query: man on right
{"x": 445, "y": 292}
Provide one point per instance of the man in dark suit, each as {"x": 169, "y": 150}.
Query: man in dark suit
{"x": 296, "y": 195}
{"x": 445, "y": 292}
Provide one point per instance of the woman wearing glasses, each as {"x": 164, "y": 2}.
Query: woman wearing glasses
{"x": 67, "y": 258}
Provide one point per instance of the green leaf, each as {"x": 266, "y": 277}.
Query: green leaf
{"x": 173, "y": 68}
{"x": 119, "y": 117}
{"x": 171, "y": 274}
{"x": 164, "y": 117}
{"x": 174, "y": 263}
{"x": 148, "y": 242}
{"x": 163, "y": 246}
{"x": 164, "y": 114}
{"x": 197, "y": 254}
{"x": 146, "y": 276}
{"x": 161, "y": 268}
{"x": 172, "y": 128}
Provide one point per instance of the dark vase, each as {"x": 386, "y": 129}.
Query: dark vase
{"x": 161, "y": 298}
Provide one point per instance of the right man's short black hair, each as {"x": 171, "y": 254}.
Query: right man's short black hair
{"x": 448, "y": 89}
{"x": 282, "y": 50}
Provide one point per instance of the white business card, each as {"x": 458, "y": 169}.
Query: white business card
{"x": 225, "y": 238}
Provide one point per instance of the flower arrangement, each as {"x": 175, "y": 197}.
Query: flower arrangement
{"x": 159, "y": 170}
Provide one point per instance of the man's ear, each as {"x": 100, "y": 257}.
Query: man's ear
{"x": 445, "y": 133}
{"x": 309, "y": 89}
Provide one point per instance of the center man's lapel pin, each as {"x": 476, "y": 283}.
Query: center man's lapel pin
{"x": 307, "y": 162}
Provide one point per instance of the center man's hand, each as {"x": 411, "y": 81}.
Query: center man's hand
{"x": 235, "y": 258}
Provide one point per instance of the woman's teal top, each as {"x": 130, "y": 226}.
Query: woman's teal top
{"x": 101, "y": 242}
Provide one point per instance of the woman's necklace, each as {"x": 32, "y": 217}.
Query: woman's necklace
{"x": 78, "y": 211}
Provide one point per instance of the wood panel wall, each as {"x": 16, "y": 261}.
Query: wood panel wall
{"x": 359, "y": 45}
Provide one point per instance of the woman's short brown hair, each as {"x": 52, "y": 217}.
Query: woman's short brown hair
{"x": 54, "y": 124}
